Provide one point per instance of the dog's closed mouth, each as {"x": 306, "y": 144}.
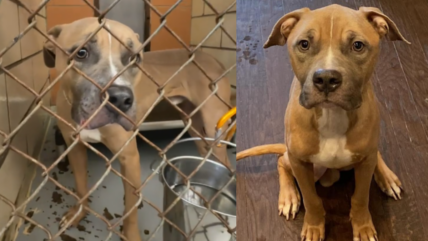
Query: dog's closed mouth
{"x": 102, "y": 118}
{"x": 91, "y": 125}
{"x": 328, "y": 104}
{"x": 98, "y": 122}
{"x": 348, "y": 106}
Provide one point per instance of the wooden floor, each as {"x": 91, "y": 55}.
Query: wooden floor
{"x": 401, "y": 83}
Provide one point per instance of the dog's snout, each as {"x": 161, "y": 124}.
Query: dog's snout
{"x": 121, "y": 97}
{"x": 327, "y": 80}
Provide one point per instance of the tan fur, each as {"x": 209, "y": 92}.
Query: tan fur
{"x": 190, "y": 84}
{"x": 279, "y": 149}
{"x": 312, "y": 140}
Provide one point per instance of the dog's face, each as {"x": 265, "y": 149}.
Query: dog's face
{"x": 100, "y": 59}
{"x": 333, "y": 51}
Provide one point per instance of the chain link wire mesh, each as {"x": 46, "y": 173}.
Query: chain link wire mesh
{"x": 18, "y": 209}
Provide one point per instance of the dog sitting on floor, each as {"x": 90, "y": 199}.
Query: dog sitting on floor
{"x": 332, "y": 119}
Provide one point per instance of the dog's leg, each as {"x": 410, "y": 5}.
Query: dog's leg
{"x": 314, "y": 221}
{"x": 78, "y": 162}
{"x": 129, "y": 160}
{"x": 289, "y": 196}
{"x": 386, "y": 179}
{"x": 361, "y": 219}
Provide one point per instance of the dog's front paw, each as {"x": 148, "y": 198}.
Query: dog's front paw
{"x": 68, "y": 216}
{"x": 388, "y": 182}
{"x": 364, "y": 232}
{"x": 311, "y": 231}
{"x": 289, "y": 201}
{"x": 362, "y": 226}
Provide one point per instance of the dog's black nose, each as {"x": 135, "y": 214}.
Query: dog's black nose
{"x": 121, "y": 97}
{"x": 327, "y": 80}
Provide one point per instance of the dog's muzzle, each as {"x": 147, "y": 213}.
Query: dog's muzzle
{"x": 121, "y": 97}
{"x": 327, "y": 80}
{"x": 327, "y": 89}
{"x": 120, "y": 110}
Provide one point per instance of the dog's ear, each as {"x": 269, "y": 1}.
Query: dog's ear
{"x": 382, "y": 24}
{"x": 283, "y": 27}
{"x": 49, "y": 47}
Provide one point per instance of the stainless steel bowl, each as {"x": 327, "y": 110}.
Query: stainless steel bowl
{"x": 208, "y": 180}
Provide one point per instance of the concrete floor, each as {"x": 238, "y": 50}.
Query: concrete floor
{"x": 51, "y": 202}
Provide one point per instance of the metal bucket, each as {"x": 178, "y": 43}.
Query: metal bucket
{"x": 208, "y": 180}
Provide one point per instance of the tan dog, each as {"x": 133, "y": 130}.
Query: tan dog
{"x": 332, "y": 119}
{"x": 102, "y": 58}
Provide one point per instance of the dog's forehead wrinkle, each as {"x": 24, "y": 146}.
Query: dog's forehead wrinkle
{"x": 87, "y": 36}
{"x": 82, "y": 40}
{"x": 94, "y": 38}
{"x": 351, "y": 34}
{"x": 311, "y": 33}
{"x": 129, "y": 43}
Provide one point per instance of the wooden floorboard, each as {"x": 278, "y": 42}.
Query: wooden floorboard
{"x": 401, "y": 85}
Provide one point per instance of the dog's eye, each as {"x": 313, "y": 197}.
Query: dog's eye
{"x": 82, "y": 53}
{"x": 137, "y": 57}
{"x": 304, "y": 44}
{"x": 358, "y": 46}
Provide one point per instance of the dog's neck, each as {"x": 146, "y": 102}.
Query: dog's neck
{"x": 331, "y": 121}
{"x": 352, "y": 115}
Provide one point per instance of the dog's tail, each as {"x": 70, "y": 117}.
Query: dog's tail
{"x": 261, "y": 150}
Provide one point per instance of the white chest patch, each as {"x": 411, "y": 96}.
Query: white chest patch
{"x": 332, "y": 127}
{"x": 92, "y": 136}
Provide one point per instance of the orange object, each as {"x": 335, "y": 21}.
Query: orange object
{"x": 223, "y": 120}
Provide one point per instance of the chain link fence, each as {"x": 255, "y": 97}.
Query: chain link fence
{"x": 18, "y": 210}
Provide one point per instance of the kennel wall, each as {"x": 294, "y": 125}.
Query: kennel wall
{"x": 22, "y": 72}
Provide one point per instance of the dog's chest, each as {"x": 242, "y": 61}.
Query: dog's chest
{"x": 332, "y": 127}
{"x": 92, "y": 136}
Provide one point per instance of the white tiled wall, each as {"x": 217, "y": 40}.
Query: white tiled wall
{"x": 218, "y": 44}
{"x": 24, "y": 61}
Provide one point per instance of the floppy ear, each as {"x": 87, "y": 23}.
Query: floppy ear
{"x": 49, "y": 47}
{"x": 382, "y": 24}
{"x": 283, "y": 27}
